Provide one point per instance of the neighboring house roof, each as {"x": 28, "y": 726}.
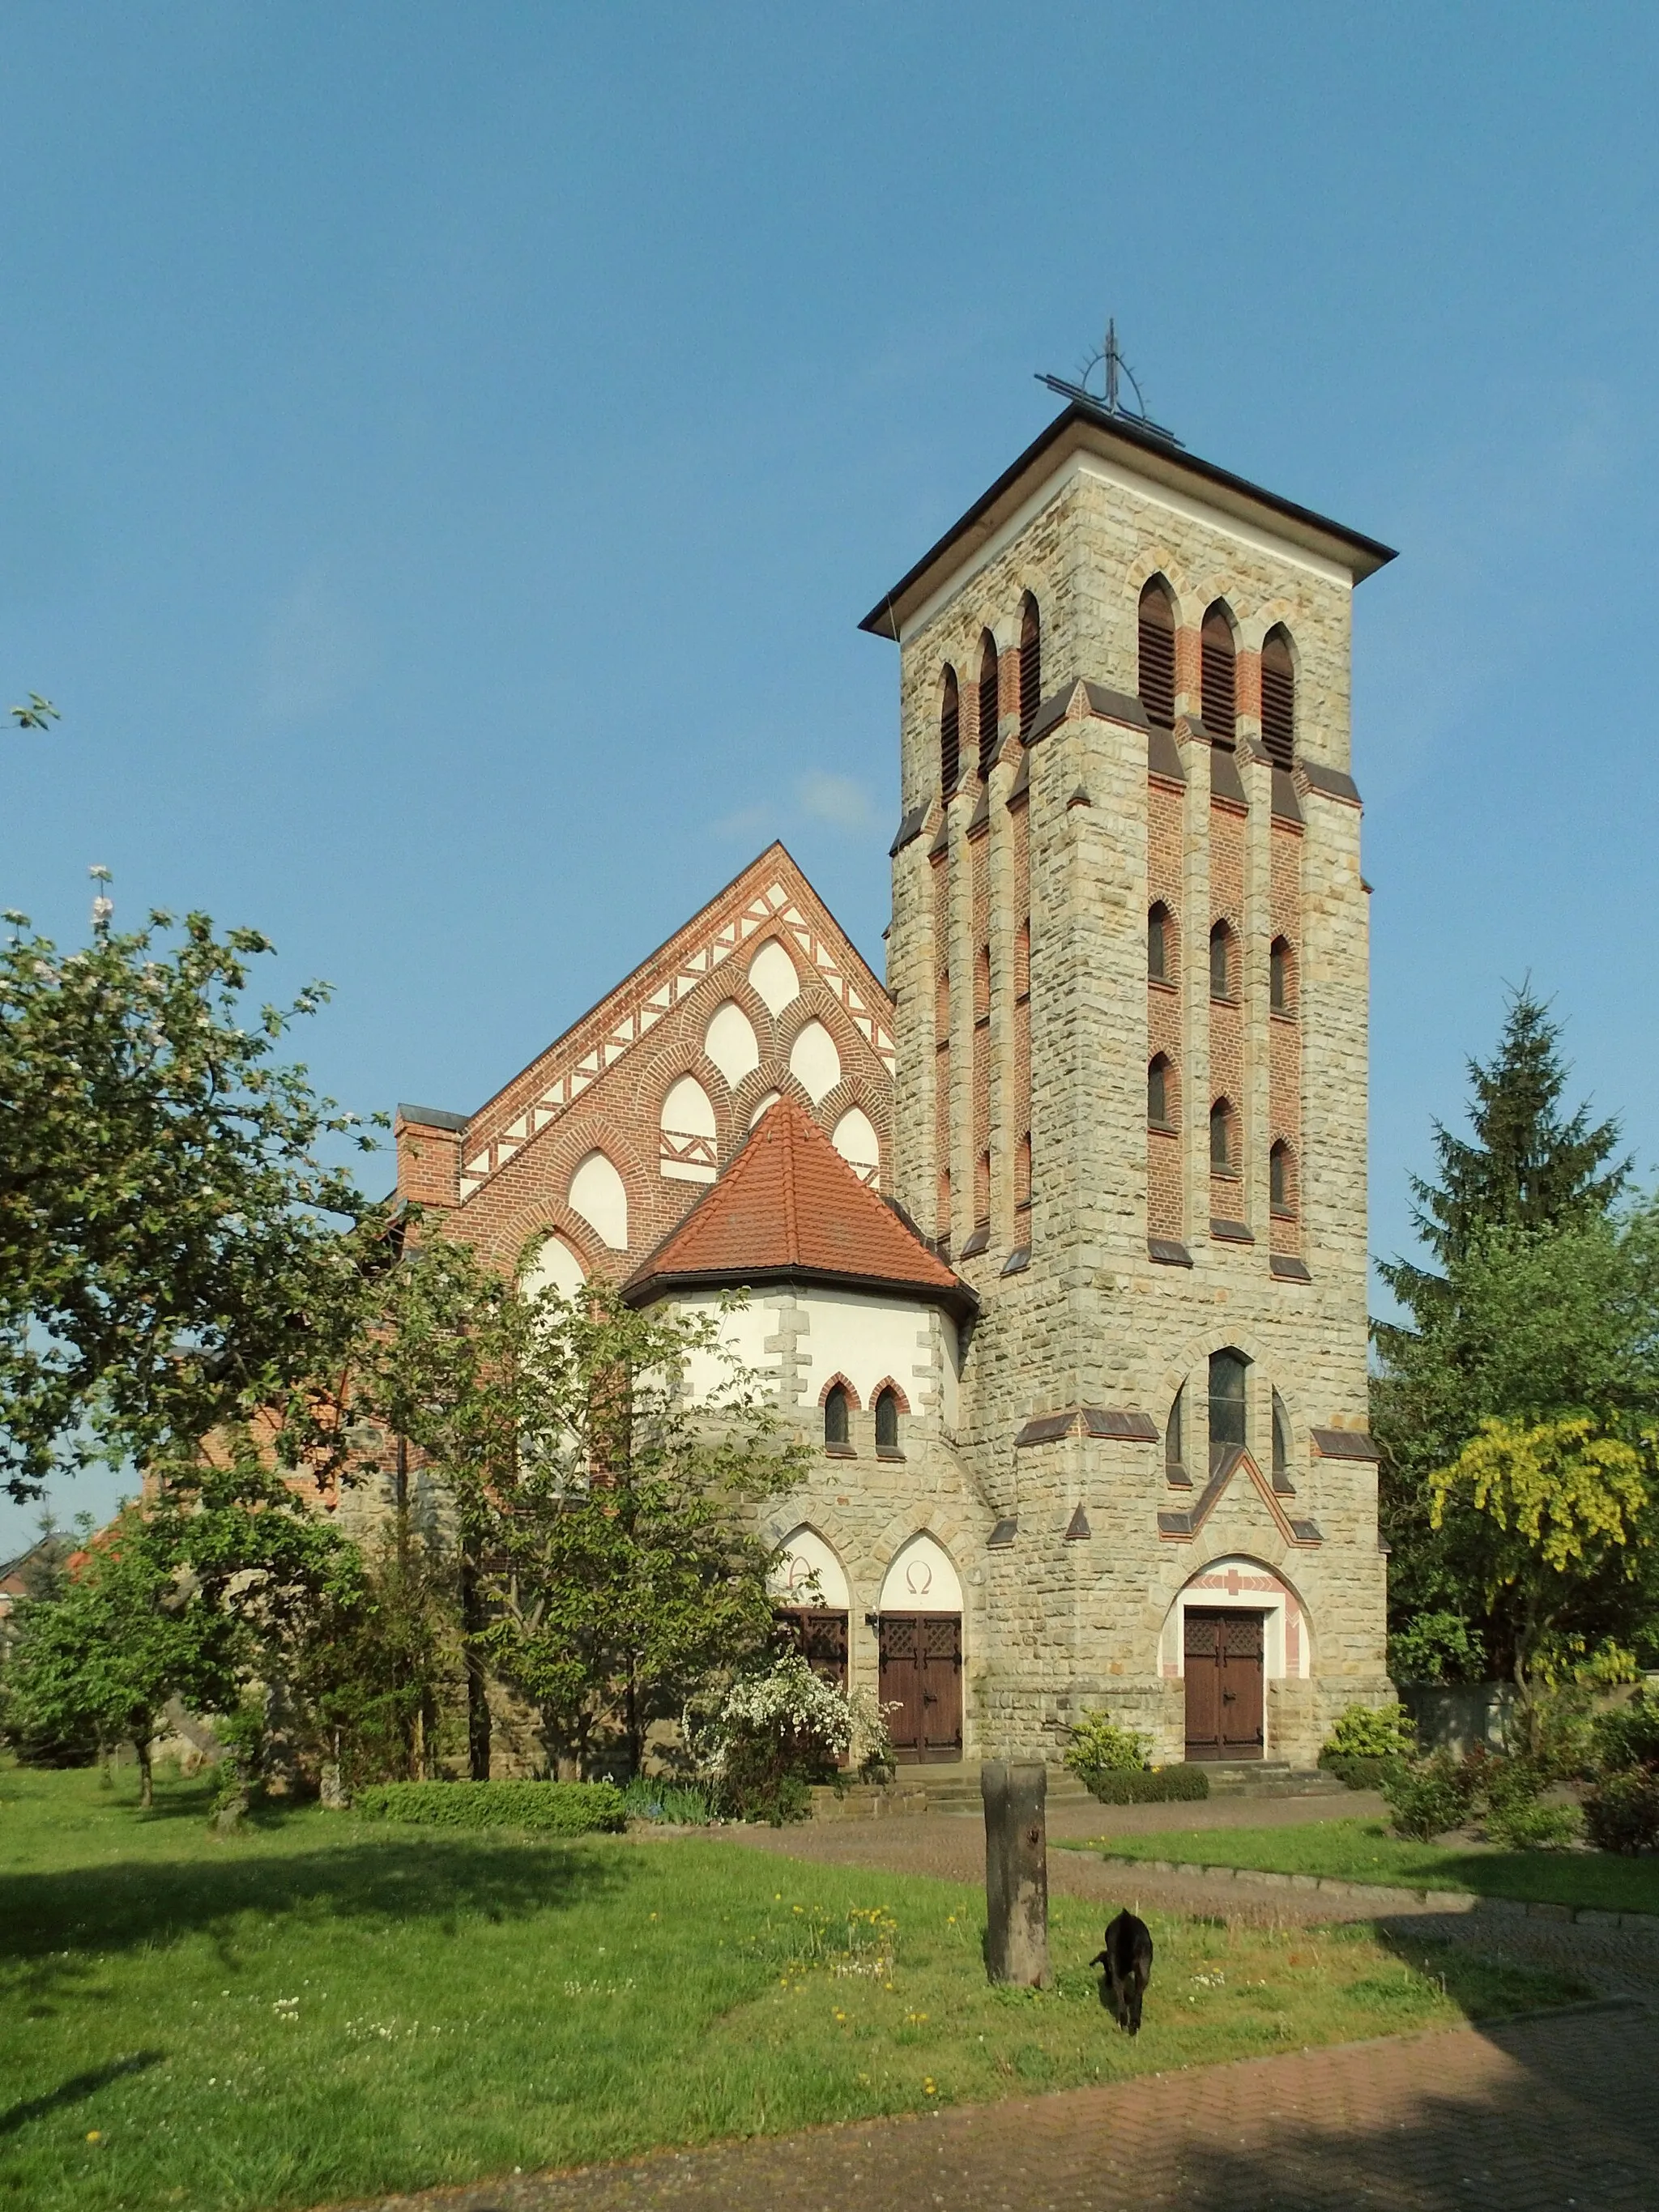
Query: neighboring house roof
{"x": 789, "y": 1207}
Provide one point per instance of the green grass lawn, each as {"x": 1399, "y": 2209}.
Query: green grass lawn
{"x": 1364, "y": 1850}
{"x": 322, "y": 2009}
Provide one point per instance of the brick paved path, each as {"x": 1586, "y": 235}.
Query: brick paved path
{"x": 1557, "y": 2113}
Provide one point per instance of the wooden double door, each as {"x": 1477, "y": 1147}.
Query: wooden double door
{"x": 1224, "y": 1667}
{"x": 921, "y": 1677}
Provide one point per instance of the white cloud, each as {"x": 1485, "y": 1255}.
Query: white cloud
{"x": 836, "y": 799}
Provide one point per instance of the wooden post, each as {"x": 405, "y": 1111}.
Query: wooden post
{"x": 1016, "y": 1873}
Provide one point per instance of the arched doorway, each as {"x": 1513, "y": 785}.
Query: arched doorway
{"x": 811, "y": 1602}
{"x": 919, "y": 1634}
{"x": 1234, "y": 1627}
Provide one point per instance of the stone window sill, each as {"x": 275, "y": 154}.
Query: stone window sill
{"x": 884, "y": 1451}
{"x": 1163, "y": 1128}
{"x": 1162, "y": 983}
{"x": 840, "y": 1451}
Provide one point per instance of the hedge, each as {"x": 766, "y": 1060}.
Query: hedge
{"x": 552, "y": 1808}
{"x": 1155, "y": 1786}
{"x": 1361, "y": 1773}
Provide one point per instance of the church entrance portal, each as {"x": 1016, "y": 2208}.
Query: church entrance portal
{"x": 921, "y": 1675}
{"x": 1223, "y": 1654}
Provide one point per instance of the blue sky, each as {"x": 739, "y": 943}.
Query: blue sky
{"x": 445, "y": 452}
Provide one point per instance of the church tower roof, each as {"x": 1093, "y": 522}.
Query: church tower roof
{"x": 790, "y": 1207}
{"x": 1118, "y": 442}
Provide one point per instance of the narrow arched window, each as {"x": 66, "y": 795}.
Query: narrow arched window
{"x": 1030, "y": 663}
{"x": 1281, "y": 1440}
{"x": 1229, "y": 1403}
{"x": 1221, "y": 962}
{"x": 1219, "y": 675}
{"x": 1278, "y": 699}
{"x": 835, "y": 1417}
{"x": 1158, "y": 653}
{"x": 1281, "y": 1179}
{"x": 1158, "y": 947}
{"x": 1158, "y": 1093}
{"x": 1222, "y": 1148}
{"x": 1174, "y": 1463}
{"x": 1278, "y": 976}
{"x": 887, "y": 1412}
{"x": 987, "y": 704}
{"x": 949, "y": 734}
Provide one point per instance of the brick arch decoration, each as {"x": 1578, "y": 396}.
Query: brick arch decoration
{"x": 839, "y": 1380}
{"x": 561, "y": 1151}
{"x": 531, "y": 1226}
{"x": 1299, "y": 1652}
{"x": 887, "y": 1382}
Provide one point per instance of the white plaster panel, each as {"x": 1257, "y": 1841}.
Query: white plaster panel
{"x": 597, "y": 1192}
{"x": 770, "y": 1099}
{"x": 864, "y": 1338}
{"x": 774, "y": 975}
{"x": 686, "y": 1111}
{"x": 730, "y": 1043}
{"x": 555, "y": 1266}
{"x": 803, "y": 1555}
{"x": 814, "y": 1062}
{"x": 743, "y": 1331}
{"x": 854, "y": 1137}
{"x": 921, "y": 1579}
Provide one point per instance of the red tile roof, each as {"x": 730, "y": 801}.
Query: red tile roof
{"x": 790, "y": 1205}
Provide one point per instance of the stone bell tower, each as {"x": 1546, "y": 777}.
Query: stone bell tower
{"x": 1129, "y": 954}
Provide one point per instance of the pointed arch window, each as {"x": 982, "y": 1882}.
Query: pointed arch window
{"x": 887, "y": 1413}
{"x": 1160, "y": 1094}
{"x": 1278, "y": 699}
{"x": 1222, "y": 963}
{"x": 1158, "y": 653}
{"x": 1219, "y": 658}
{"x": 836, "y": 1422}
{"x": 1174, "y": 1464}
{"x": 1030, "y": 663}
{"x": 987, "y": 705}
{"x": 1280, "y": 970}
{"x": 1229, "y": 1401}
{"x": 949, "y": 734}
{"x": 1160, "y": 945}
{"x": 1223, "y": 1146}
{"x": 1281, "y": 1444}
{"x": 1281, "y": 1180}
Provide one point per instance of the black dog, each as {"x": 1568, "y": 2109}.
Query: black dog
{"x": 1127, "y": 1959}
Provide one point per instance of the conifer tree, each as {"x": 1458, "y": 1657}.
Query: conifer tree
{"x": 1544, "y": 1303}
{"x": 1527, "y": 1167}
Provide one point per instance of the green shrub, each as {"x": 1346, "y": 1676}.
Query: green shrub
{"x": 1372, "y": 1732}
{"x": 1628, "y": 1737}
{"x": 1098, "y": 1745}
{"x": 1154, "y": 1786}
{"x": 551, "y": 1809}
{"x": 1436, "y": 1794}
{"x": 1525, "y": 1827}
{"x": 1363, "y": 1773}
{"x": 1504, "y": 1786}
{"x": 1621, "y": 1814}
{"x": 681, "y": 1804}
{"x": 754, "y": 1790}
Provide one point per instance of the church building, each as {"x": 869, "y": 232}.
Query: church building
{"x": 1055, "y": 1241}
